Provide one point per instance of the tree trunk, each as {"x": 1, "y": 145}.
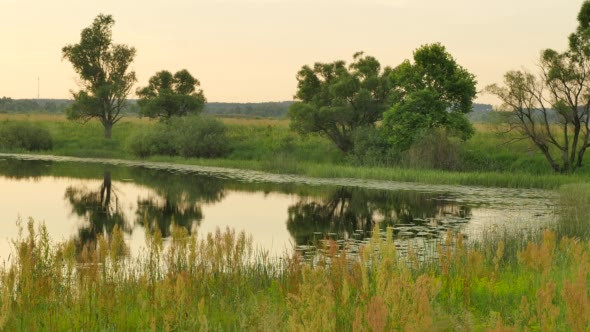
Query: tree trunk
{"x": 549, "y": 158}
{"x": 108, "y": 130}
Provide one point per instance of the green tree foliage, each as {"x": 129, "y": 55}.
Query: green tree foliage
{"x": 104, "y": 73}
{"x": 334, "y": 99}
{"x": 433, "y": 92}
{"x": 561, "y": 90}
{"x": 170, "y": 95}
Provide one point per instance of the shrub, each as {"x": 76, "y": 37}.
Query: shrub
{"x": 24, "y": 136}
{"x": 371, "y": 147}
{"x": 153, "y": 141}
{"x": 433, "y": 149}
{"x": 196, "y": 136}
{"x": 192, "y": 136}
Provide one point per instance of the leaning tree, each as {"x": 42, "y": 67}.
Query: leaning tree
{"x": 552, "y": 108}
{"x": 334, "y": 99}
{"x": 103, "y": 69}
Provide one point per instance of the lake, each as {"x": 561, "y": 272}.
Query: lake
{"x": 81, "y": 198}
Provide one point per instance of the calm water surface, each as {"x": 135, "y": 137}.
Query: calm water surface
{"x": 79, "y": 200}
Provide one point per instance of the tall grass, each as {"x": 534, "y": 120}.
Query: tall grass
{"x": 24, "y": 136}
{"x": 220, "y": 282}
{"x": 269, "y": 145}
{"x": 574, "y": 211}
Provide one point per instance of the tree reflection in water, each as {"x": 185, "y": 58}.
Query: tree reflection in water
{"x": 153, "y": 214}
{"x": 178, "y": 199}
{"x": 100, "y": 209}
{"x": 345, "y": 211}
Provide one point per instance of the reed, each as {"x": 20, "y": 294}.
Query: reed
{"x": 220, "y": 282}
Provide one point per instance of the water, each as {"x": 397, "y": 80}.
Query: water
{"x": 80, "y": 199}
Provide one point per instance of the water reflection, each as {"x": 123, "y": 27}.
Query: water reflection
{"x": 177, "y": 199}
{"x": 350, "y": 212}
{"x": 159, "y": 214}
{"x": 283, "y": 214}
{"x": 99, "y": 208}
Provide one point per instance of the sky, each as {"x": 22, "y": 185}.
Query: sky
{"x": 251, "y": 50}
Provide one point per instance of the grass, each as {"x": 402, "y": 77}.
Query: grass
{"x": 222, "y": 283}
{"x": 268, "y": 145}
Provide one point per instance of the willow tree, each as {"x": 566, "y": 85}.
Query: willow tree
{"x": 552, "y": 108}
{"x": 334, "y": 99}
{"x": 104, "y": 75}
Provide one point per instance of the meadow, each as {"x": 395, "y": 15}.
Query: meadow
{"x": 488, "y": 159}
{"x": 221, "y": 282}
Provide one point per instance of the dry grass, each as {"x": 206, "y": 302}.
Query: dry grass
{"x": 221, "y": 283}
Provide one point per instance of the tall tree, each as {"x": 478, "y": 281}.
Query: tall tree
{"x": 170, "y": 95}
{"x": 334, "y": 99}
{"x": 560, "y": 90}
{"x": 104, "y": 73}
{"x": 433, "y": 92}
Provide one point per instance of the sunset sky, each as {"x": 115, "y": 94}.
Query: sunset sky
{"x": 250, "y": 50}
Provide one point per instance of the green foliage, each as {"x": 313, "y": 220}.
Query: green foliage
{"x": 249, "y": 110}
{"x": 574, "y": 210}
{"x": 170, "y": 95}
{"x": 434, "y": 149}
{"x": 103, "y": 70}
{"x": 187, "y": 137}
{"x": 192, "y": 282}
{"x": 485, "y": 160}
{"x": 560, "y": 89}
{"x": 153, "y": 141}
{"x": 433, "y": 92}
{"x": 24, "y": 136}
{"x": 372, "y": 147}
{"x": 334, "y": 100}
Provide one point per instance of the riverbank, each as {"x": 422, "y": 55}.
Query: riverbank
{"x": 269, "y": 146}
{"x": 223, "y": 283}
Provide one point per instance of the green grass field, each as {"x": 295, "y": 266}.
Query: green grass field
{"x": 268, "y": 145}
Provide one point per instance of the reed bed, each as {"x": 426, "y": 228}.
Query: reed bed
{"x": 220, "y": 282}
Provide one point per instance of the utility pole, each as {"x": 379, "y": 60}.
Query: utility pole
{"x": 38, "y": 83}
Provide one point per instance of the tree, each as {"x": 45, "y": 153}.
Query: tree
{"x": 433, "y": 92}
{"x": 170, "y": 95}
{"x": 104, "y": 76}
{"x": 334, "y": 100}
{"x": 561, "y": 90}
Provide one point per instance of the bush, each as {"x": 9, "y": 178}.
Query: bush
{"x": 24, "y": 136}
{"x": 433, "y": 149}
{"x": 154, "y": 141}
{"x": 196, "y": 136}
{"x": 191, "y": 136}
{"x": 372, "y": 148}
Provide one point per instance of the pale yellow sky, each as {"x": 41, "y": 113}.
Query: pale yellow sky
{"x": 251, "y": 50}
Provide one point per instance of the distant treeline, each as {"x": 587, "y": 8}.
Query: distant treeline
{"x": 262, "y": 110}
{"x": 481, "y": 112}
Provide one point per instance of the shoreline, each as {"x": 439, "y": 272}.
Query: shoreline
{"x": 329, "y": 174}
